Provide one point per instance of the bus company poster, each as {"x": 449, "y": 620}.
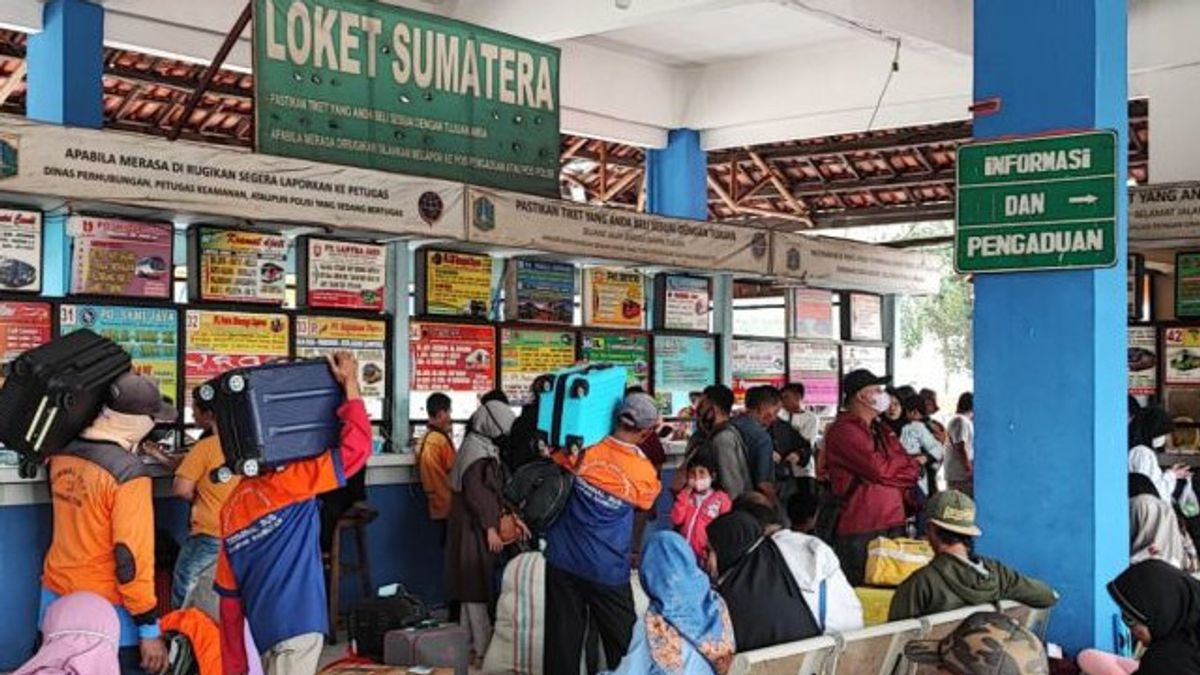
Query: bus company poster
{"x": 613, "y": 298}
{"x": 870, "y": 357}
{"x": 685, "y": 302}
{"x": 812, "y": 313}
{"x": 454, "y": 284}
{"x": 815, "y": 365}
{"x": 1143, "y": 360}
{"x": 320, "y": 336}
{"x": 219, "y": 341}
{"x": 241, "y": 266}
{"x": 118, "y": 257}
{"x": 758, "y": 362}
{"x": 343, "y": 274}
{"x": 149, "y": 334}
{"x": 20, "y": 250}
{"x": 23, "y": 326}
{"x": 1182, "y": 346}
{"x": 1187, "y": 284}
{"x": 541, "y": 291}
{"x": 374, "y": 85}
{"x": 682, "y": 364}
{"x": 458, "y": 360}
{"x": 631, "y": 352}
{"x": 526, "y": 354}
{"x": 866, "y": 317}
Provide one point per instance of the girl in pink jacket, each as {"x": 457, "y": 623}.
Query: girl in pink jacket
{"x": 699, "y": 504}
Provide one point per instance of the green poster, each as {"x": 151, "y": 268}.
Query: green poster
{"x": 1187, "y": 284}
{"x": 383, "y": 87}
{"x": 632, "y": 352}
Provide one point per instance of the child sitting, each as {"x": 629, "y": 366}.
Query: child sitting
{"x": 699, "y": 504}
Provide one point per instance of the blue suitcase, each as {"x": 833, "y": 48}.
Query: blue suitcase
{"x": 271, "y": 415}
{"x": 577, "y": 406}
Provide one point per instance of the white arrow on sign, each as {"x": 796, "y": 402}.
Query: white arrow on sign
{"x": 1084, "y": 199}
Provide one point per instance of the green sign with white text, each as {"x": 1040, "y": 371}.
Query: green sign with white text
{"x": 1037, "y": 203}
{"x": 382, "y": 87}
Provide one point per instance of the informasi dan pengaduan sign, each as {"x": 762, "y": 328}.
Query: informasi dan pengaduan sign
{"x": 374, "y": 85}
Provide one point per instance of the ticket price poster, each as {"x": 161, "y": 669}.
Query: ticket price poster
{"x": 526, "y": 354}
{"x": 858, "y": 357}
{"x": 541, "y": 292}
{"x": 631, "y": 352}
{"x": 20, "y": 250}
{"x": 149, "y": 334}
{"x": 682, "y": 364}
{"x": 239, "y": 266}
{"x": 866, "y": 317}
{"x": 1143, "y": 361}
{"x": 685, "y": 302}
{"x": 757, "y": 362}
{"x": 458, "y": 360}
{"x": 23, "y": 326}
{"x": 613, "y": 298}
{"x": 343, "y": 274}
{"x": 454, "y": 284}
{"x": 815, "y": 365}
{"x": 321, "y": 336}
{"x": 1182, "y": 356}
{"x": 220, "y": 341}
{"x": 120, "y": 257}
{"x": 812, "y": 313}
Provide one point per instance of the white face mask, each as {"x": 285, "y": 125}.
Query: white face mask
{"x": 881, "y": 402}
{"x": 701, "y": 485}
{"x": 1160, "y": 442}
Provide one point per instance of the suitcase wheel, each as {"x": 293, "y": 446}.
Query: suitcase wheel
{"x": 207, "y": 393}
{"x": 249, "y": 467}
{"x": 579, "y": 389}
{"x": 574, "y": 445}
{"x": 221, "y": 474}
{"x": 547, "y": 385}
{"x": 27, "y": 469}
{"x": 236, "y": 384}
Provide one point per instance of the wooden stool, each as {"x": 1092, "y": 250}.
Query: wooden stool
{"x": 354, "y": 522}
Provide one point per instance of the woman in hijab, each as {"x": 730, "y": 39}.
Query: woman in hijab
{"x": 1154, "y": 529}
{"x": 687, "y": 629}
{"x": 473, "y": 532}
{"x": 766, "y": 605}
{"x": 80, "y": 635}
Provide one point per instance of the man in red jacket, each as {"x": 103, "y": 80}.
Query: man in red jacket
{"x": 868, "y": 470}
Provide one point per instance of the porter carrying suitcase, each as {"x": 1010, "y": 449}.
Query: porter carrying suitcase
{"x": 446, "y": 646}
{"x": 274, "y": 414}
{"x": 53, "y": 392}
{"x": 577, "y": 405}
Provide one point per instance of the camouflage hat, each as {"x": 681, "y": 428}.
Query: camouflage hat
{"x": 986, "y": 643}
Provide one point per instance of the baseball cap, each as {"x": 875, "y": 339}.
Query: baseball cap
{"x": 638, "y": 411}
{"x": 860, "y": 379}
{"x": 954, "y": 511}
{"x": 139, "y": 395}
{"x": 986, "y": 643}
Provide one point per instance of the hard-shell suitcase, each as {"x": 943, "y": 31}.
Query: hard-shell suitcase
{"x": 53, "y": 392}
{"x": 373, "y": 619}
{"x": 577, "y": 405}
{"x": 274, "y": 414}
{"x": 447, "y": 646}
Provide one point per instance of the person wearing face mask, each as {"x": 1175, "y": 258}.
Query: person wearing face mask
{"x": 720, "y": 440}
{"x": 1148, "y": 432}
{"x": 699, "y": 504}
{"x": 869, "y": 472}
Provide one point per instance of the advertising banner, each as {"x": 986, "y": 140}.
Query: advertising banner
{"x": 321, "y": 336}
{"x": 450, "y": 283}
{"x": 812, "y": 313}
{"x": 682, "y": 364}
{"x": 20, "y": 250}
{"x": 613, "y": 298}
{"x": 815, "y": 365}
{"x": 540, "y": 291}
{"x": 848, "y": 265}
{"x": 757, "y": 362}
{"x": 632, "y": 352}
{"x": 220, "y": 341}
{"x": 1187, "y": 284}
{"x": 1182, "y": 356}
{"x": 116, "y": 257}
{"x": 556, "y": 226}
{"x": 149, "y": 334}
{"x": 1143, "y": 361}
{"x": 240, "y": 266}
{"x": 458, "y": 360}
{"x": 385, "y": 87}
{"x": 1163, "y": 212}
{"x": 341, "y": 274}
{"x": 526, "y": 354}
{"x": 872, "y": 358}
{"x": 683, "y": 302}
{"x": 23, "y": 326}
{"x": 203, "y": 179}
{"x": 866, "y": 317}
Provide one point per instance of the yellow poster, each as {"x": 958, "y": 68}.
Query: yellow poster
{"x": 457, "y": 284}
{"x": 238, "y": 266}
{"x": 320, "y": 336}
{"x": 614, "y": 298}
{"x": 221, "y": 341}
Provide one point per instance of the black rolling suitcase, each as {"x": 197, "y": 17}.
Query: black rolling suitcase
{"x": 52, "y": 392}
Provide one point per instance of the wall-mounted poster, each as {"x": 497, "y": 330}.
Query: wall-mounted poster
{"x": 757, "y": 362}
{"x": 238, "y": 266}
{"x": 341, "y": 274}
{"x": 1143, "y": 360}
{"x": 118, "y": 257}
{"x": 1187, "y": 284}
{"x": 613, "y": 298}
{"x": 451, "y": 283}
{"x": 866, "y": 317}
{"x": 871, "y": 357}
{"x": 525, "y": 354}
{"x": 815, "y": 365}
{"x": 540, "y": 291}
{"x": 20, "y": 250}
{"x": 631, "y": 352}
{"x": 149, "y": 334}
{"x": 1182, "y": 346}
{"x": 219, "y": 341}
{"x": 682, "y": 364}
{"x": 320, "y": 336}
{"x": 458, "y": 360}
{"x": 23, "y": 326}
{"x": 812, "y": 313}
{"x": 682, "y": 302}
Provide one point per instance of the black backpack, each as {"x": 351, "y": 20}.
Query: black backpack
{"x": 539, "y": 491}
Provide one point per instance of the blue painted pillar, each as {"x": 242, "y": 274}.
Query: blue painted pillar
{"x": 66, "y": 65}
{"x": 1050, "y": 346}
{"x": 677, "y": 177}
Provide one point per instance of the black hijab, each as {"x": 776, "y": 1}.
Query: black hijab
{"x": 1140, "y": 484}
{"x": 1148, "y": 424}
{"x": 1167, "y": 601}
{"x": 765, "y": 604}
